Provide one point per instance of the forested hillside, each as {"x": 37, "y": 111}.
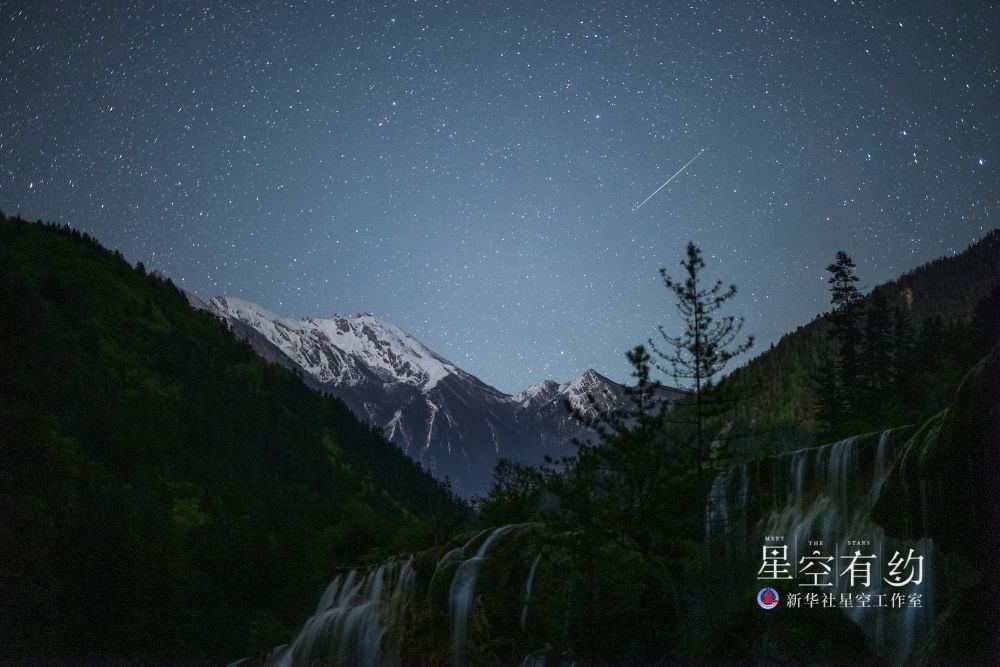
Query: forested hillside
{"x": 166, "y": 494}
{"x": 775, "y": 397}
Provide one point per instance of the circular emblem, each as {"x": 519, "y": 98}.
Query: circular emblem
{"x": 767, "y": 598}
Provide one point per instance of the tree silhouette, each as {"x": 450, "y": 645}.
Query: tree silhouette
{"x": 846, "y": 317}
{"x": 877, "y": 363}
{"x": 838, "y": 378}
{"x": 707, "y": 343}
{"x": 625, "y": 489}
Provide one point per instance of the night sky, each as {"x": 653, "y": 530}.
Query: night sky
{"x": 470, "y": 170}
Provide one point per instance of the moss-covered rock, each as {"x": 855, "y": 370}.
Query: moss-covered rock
{"x": 946, "y": 486}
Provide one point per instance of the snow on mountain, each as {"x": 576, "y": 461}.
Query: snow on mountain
{"x": 538, "y": 392}
{"x": 447, "y": 419}
{"x": 592, "y": 393}
{"x": 331, "y": 350}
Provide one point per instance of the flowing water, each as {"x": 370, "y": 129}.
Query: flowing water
{"x": 462, "y": 593}
{"x": 357, "y": 620}
{"x": 819, "y": 502}
{"x": 362, "y": 615}
{"x": 817, "y": 499}
{"x": 527, "y": 591}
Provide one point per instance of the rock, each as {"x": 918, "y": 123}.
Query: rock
{"x": 946, "y": 486}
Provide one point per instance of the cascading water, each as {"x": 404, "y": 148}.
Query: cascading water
{"x": 349, "y": 626}
{"x": 364, "y": 615}
{"x": 527, "y": 591}
{"x": 725, "y": 513}
{"x": 536, "y": 659}
{"x": 463, "y": 590}
{"x": 820, "y": 500}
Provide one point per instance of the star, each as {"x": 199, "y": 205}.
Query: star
{"x": 505, "y": 167}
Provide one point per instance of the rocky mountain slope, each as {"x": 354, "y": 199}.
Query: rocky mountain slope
{"x": 453, "y": 423}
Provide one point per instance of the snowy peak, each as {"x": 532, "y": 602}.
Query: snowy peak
{"x": 344, "y": 350}
{"x": 245, "y": 311}
{"x": 591, "y": 380}
{"x": 592, "y": 392}
{"x": 395, "y": 355}
{"x": 540, "y": 392}
{"x": 451, "y": 422}
{"x": 605, "y": 392}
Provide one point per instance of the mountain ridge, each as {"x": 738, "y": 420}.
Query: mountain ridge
{"x": 449, "y": 420}
{"x": 784, "y": 413}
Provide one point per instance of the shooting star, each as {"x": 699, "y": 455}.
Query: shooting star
{"x": 670, "y": 179}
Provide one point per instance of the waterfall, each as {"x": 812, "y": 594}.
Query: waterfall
{"x": 536, "y": 659}
{"x": 717, "y": 507}
{"x": 351, "y": 619}
{"x": 463, "y": 589}
{"x": 822, "y": 494}
{"x": 364, "y": 614}
{"x": 527, "y": 591}
{"x": 725, "y": 512}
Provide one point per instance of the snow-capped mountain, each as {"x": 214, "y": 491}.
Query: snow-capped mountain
{"x": 345, "y": 350}
{"x": 456, "y": 425}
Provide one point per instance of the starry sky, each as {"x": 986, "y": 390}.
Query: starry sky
{"x": 471, "y": 170}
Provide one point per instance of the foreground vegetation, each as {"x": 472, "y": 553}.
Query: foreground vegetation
{"x": 628, "y": 512}
{"x": 165, "y": 493}
{"x": 169, "y": 496}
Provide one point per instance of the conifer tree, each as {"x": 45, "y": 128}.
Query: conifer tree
{"x": 847, "y": 332}
{"x": 878, "y": 350}
{"x": 902, "y": 345}
{"x": 902, "y": 336}
{"x": 932, "y": 337}
{"x": 829, "y": 410}
{"x": 621, "y": 488}
{"x": 707, "y": 343}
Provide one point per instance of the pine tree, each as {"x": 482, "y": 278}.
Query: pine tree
{"x": 902, "y": 334}
{"x": 847, "y": 333}
{"x": 931, "y": 339}
{"x": 876, "y": 363}
{"x": 829, "y": 411}
{"x": 707, "y": 343}
{"x": 621, "y": 488}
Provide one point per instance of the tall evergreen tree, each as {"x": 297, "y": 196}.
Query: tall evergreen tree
{"x": 931, "y": 339}
{"x": 622, "y": 488}
{"x": 902, "y": 345}
{"x": 876, "y": 363}
{"x": 707, "y": 343}
{"x": 829, "y": 410}
{"x": 847, "y": 331}
{"x": 627, "y": 503}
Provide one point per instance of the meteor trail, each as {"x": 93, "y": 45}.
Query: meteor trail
{"x": 670, "y": 179}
